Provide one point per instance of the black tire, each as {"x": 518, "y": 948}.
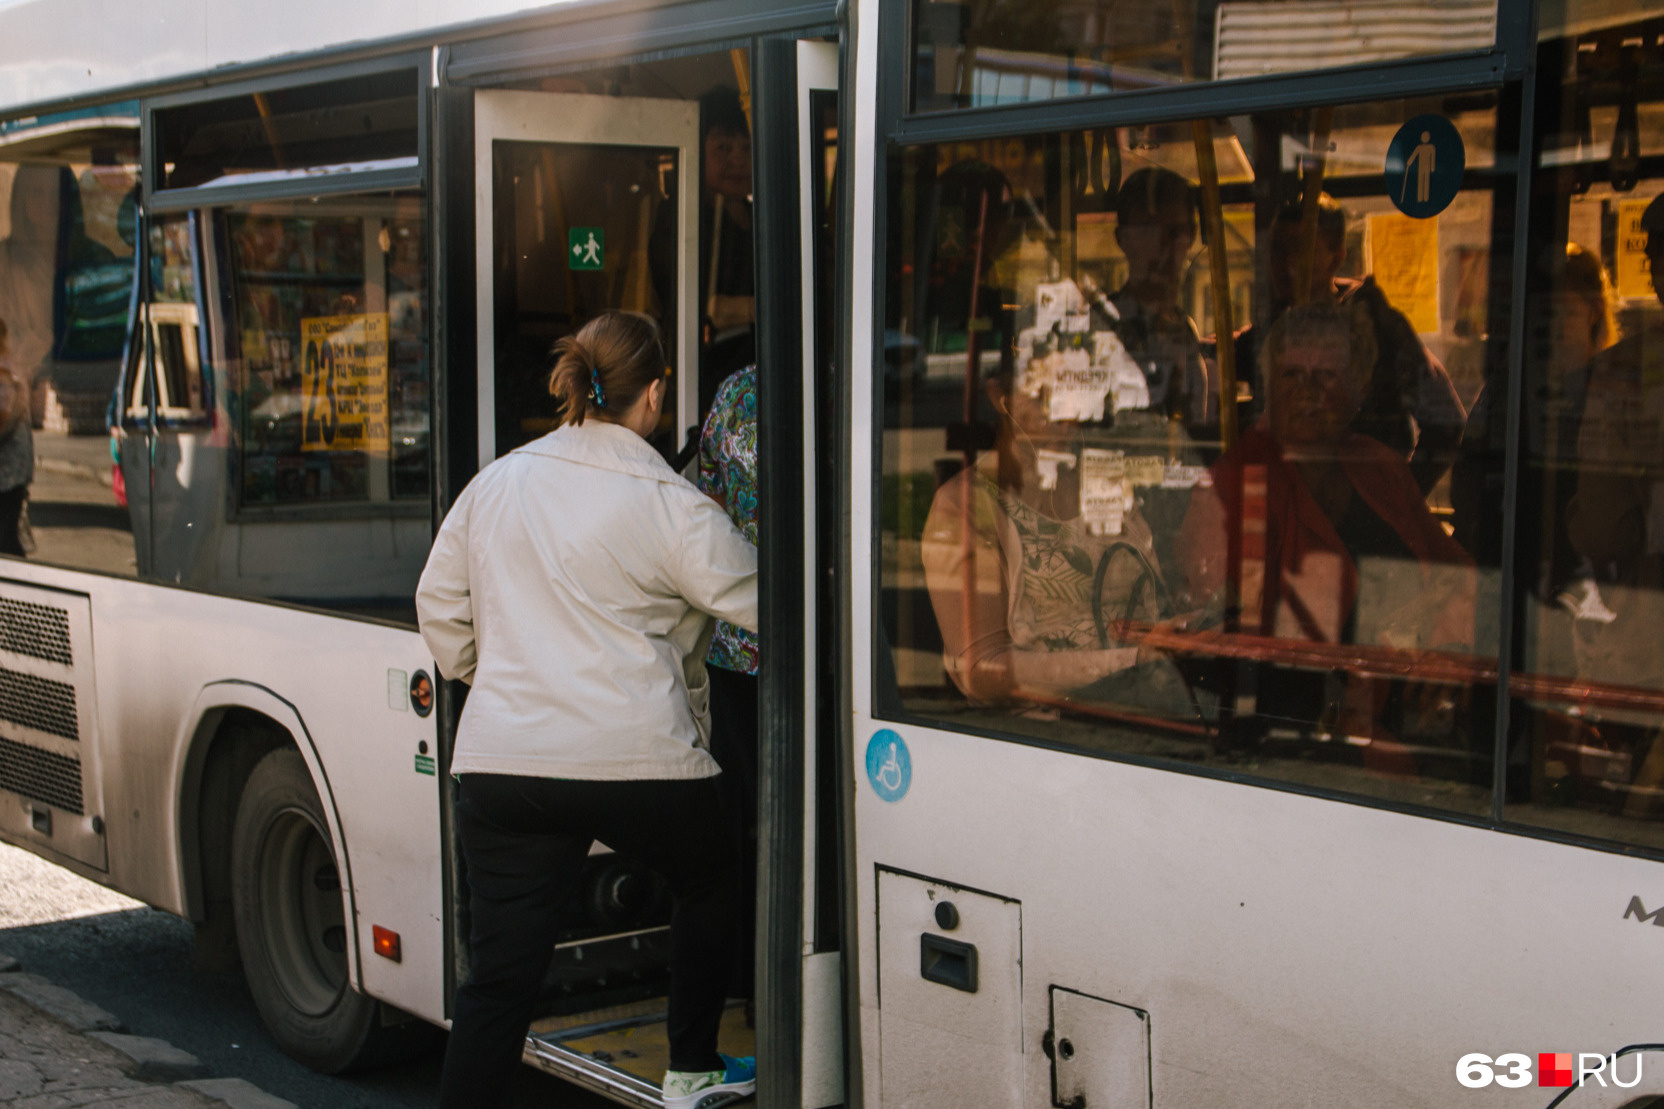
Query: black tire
{"x": 291, "y": 927}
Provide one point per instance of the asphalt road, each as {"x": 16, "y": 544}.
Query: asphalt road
{"x": 136, "y": 962}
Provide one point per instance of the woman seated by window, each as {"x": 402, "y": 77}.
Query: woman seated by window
{"x": 1020, "y": 577}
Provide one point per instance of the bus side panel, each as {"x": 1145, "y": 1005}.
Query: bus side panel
{"x": 159, "y": 653}
{"x": 1288, "y": 949}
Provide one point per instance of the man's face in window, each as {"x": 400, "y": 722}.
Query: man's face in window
{"x": 727, "y": 164}
{"x": 1314, "y": 392}
{"x": 1157, "y": 247}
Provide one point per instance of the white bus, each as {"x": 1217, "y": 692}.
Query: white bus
{"x": 1208, "y": 496}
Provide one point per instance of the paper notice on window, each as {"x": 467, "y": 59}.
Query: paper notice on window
{"x": 1059, "y": 304}
{"x": 1148, "y": 469}
{"x": 1632, "y": 270}
{"x": 1404, "y": 260}
{"x": 1104, "y": 494}
{"x": 344, "y": 383}
{"x": 1048, "y": 463}
{"x": 1128, "y": 388}
{"x": 1079, "y": 385}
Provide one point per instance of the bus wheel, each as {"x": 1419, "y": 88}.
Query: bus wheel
{"x": 291, "y": 929}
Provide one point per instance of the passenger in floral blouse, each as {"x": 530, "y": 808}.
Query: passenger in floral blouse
{"x": 728, "y": 474}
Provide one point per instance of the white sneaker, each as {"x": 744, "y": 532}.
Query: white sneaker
{"x": 709, "y": 1089}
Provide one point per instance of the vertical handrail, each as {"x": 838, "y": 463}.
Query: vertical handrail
{"x": 1311, "y": 190}
{"x": 967, "y": 491}
{"x": 1224, "y": 331}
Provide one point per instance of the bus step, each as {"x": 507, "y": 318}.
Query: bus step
{"x": 583, "y": 1069}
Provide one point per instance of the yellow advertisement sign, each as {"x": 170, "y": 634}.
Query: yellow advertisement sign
{"x": 343, "y": 381}
{"x": 1404, "y": 258}
{"x": 1634, "y": 274}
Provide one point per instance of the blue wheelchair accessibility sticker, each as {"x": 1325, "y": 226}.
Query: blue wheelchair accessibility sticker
{"x": 1425, "y": 163}
{"x": 889, "y": 767}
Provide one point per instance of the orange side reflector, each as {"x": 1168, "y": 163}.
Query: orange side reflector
{"x": 387, "y": 943}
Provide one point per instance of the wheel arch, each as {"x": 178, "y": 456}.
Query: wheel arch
{"x": 231, "y": 726}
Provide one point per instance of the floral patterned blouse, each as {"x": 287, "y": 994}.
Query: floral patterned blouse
{"x": 728, "y": 472}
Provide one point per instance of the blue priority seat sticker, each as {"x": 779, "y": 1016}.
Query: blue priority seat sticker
{"x": 1425, "y": 163}
{"x": 889, "y": 766}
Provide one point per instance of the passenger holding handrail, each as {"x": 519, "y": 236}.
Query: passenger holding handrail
{"x": 572, "y": 585}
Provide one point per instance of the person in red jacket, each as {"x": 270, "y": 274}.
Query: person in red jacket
{"x": 1311, "y": 530}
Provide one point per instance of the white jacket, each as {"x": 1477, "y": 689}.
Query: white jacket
{"x": 572, "y": 585}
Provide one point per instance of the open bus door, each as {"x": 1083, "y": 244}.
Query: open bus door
{"x": 583, "y": 204}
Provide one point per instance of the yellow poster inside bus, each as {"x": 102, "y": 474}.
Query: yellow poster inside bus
{"x": 1404, "y": 259}
{"x": 344, "y": 383}
{"x": 1634, "y": 274}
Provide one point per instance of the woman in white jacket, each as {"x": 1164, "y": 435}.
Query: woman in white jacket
{"x": 572, "y": 585}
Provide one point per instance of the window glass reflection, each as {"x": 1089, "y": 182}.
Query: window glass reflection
{"x": 976, "y": 53}
{"x": 330, "y": 340}
{"x": 1105, "y": 527}
{"x": 274, "y": 409}
{"x": 68, "y": 262}
{"x": 1586, "y": 754}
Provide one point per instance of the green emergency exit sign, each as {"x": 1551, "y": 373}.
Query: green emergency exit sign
{"x": 586, "y": 248}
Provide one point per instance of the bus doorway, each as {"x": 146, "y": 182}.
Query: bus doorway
{"x": 622, "y": 189}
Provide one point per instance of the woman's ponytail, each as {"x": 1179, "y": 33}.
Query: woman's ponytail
{"x": 602, "y": 369}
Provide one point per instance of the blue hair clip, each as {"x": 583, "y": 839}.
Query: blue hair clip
{"x": 595, "y": 392}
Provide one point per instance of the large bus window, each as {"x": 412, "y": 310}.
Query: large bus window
{"x": 290, "y": 386}
{"x": 68, "y": 261}
{"x": 974, "y": 55}
{"x": 1587, "y": 749}
{"x": 1170, "y": 417}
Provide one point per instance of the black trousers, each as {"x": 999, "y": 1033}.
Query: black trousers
{"x": 524, "y": 841}
{"x": 11, "y": 513}
{"x": 734, "y": 745}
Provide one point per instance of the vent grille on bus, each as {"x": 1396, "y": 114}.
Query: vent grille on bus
{"x": 38, "y": 703}
{"x": 41, "y": 775}
{"x": 39, "y": 631}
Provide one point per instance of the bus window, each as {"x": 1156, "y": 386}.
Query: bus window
{"x": 1586, "y": 752}
{"x": 354, "y": 125}
{"x": 974, "y": 55}
{"x": 68, "y": 260}
{"x": 331, "y": 352}
{"x": 290, "y": 454}
{"x": 1170, "y": 418}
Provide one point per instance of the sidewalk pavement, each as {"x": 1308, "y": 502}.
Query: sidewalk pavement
{"x": 82, "y": 456}
{"x": 60, "y": 1052}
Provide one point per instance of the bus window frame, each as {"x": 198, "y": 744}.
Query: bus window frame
{"x": 161, "y": 201}
{"x": 1508, "y": 58}
{"x": 1510, "y": 69}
